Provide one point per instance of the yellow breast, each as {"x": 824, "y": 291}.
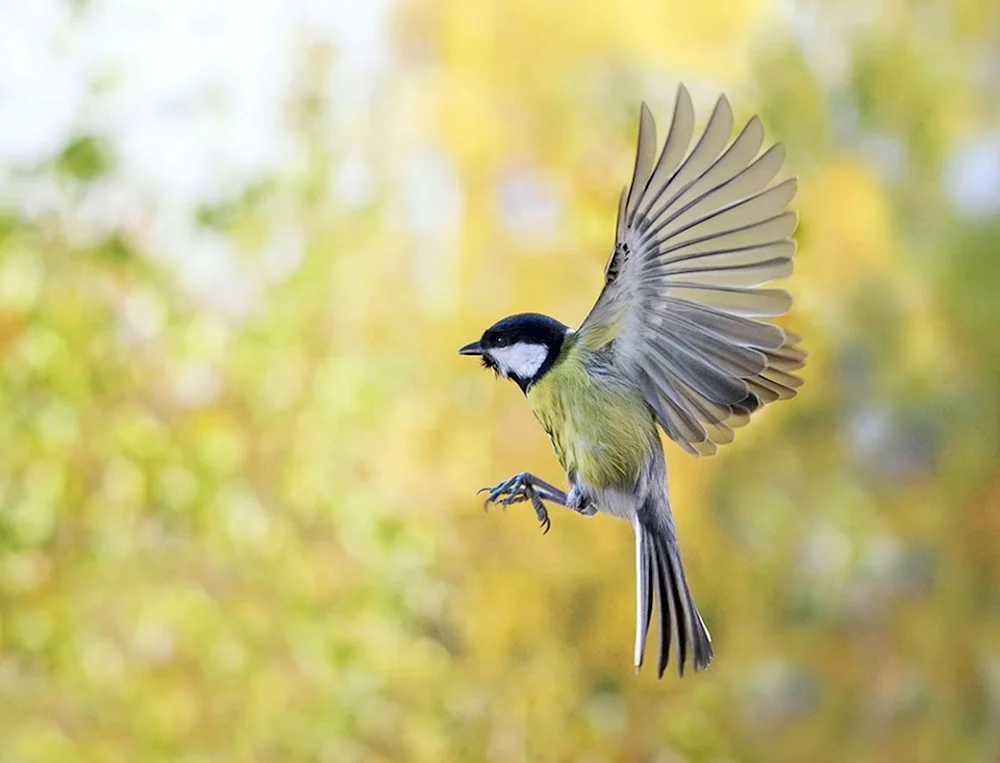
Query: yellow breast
{"x": 601, "y": 433}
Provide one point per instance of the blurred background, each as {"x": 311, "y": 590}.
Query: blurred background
{"x": 240, "y": 243}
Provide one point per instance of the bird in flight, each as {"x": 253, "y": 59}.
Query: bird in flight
{"x": 679, "y": 339}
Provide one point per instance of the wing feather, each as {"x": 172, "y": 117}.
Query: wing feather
{"x": 705, "y": 152}
{"x": 730, "y": 218}
{"x": 727, "y": 167}
{"x": 726, "y": 260}
{"x": 684, "y": 309}
{"x": 748, "y": 181}
{"x": 772, "y": 230}
{"x": 674, "y": 149}
{"x": 737, "y": 329}
{"x": 699, "y": 374}
{"x": 645, "y": 155}
{"x": 680, "y": 424}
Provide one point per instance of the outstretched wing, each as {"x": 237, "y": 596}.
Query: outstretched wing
{"x": 698, "y": 234}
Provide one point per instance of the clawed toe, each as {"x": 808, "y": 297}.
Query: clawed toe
{"x": 541, "y": 512}
{"x": 497, "y": 493}
{"x": 517, "y": 489}
{"x": 515, "y": 497}
{"x": 543, "y": 517}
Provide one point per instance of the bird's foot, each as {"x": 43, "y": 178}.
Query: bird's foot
{"x": 524, "y": 487}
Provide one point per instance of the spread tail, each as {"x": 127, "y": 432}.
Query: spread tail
{"x": 658, "y": 568}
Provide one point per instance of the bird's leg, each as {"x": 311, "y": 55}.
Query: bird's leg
{"x": 527, "y": 487}
{"x": 580, "y": 502}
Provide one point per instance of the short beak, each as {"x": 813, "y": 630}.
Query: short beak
{"x": 472, "y": 348}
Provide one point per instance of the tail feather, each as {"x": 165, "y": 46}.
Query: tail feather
{"x": 668, "y": 611}
{"x": 644, "y": 576}
{"x": 659, "y": 570}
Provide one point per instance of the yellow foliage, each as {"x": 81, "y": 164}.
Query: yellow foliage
{"x": 853, "y": 237}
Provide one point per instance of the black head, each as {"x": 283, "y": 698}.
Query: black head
{"x": 520, "y": 347}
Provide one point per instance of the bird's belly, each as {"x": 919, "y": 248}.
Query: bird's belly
{"x": 603, "y": 438}
{"x": 617, "y": 503}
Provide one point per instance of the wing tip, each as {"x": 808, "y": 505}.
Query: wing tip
{"x": 792, "y": 215}
{"x": 780, "y": 150}
{"x": 683, "y": 99}
{"x": 723, "y": 107}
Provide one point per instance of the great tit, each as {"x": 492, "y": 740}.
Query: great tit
{"x": 677, "y": 338}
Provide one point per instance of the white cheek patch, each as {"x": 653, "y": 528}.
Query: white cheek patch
{"x": 521, "y": 360}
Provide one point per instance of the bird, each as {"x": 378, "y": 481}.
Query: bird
{"x": 681, "y": 339}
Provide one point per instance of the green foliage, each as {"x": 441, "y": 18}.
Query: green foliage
{"x": 84, "y": 158}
